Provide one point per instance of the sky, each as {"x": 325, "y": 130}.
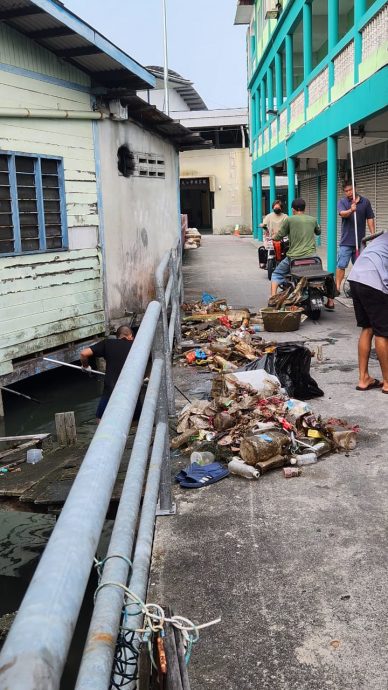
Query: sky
{"x": 203, "y": 44}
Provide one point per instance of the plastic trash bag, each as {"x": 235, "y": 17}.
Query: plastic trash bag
{"x": 207, "y": 299}
{"x": 264, "y": 383}
{"x": 291, "y": 364}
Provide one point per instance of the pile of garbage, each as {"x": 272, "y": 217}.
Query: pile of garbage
{"x": 252, "y": 424}
{"x": 192, "y": 238}
{"x": 230, "y": 335}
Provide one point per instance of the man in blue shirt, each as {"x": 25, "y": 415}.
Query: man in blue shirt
{"x": 347, "y": 207}
{"x": 368, "y": 280}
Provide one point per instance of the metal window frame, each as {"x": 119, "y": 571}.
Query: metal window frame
{"x": 11, "y": 159}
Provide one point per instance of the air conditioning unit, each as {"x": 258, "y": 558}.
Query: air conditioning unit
{"x": 272, "y": 9}
{"x": 118, "y": 111}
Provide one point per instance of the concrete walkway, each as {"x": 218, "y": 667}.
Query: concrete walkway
{"x": 295, "y": 568}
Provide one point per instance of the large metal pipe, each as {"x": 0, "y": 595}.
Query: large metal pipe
{"x": 53, "y": 114}
{"x": 36, "y": 648}
{"x": 101, "y": 641}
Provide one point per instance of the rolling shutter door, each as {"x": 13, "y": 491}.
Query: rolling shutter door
{"x": 324, "y": 210}
{"x": 313, "y": 197}
{"x": 304, "y": 190}
{"x": 366, "y": 182}
{"x": 381, "y": 207}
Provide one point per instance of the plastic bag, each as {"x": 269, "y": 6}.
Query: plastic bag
{"x": 264, "y": 383}
{"x": 291, "y": 364}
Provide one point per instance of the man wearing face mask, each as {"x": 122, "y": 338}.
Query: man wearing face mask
{"x": 272, "y": 221}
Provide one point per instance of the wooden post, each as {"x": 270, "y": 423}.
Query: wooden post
{"x": 1, "y": 405}
{"x": 65, "y": 428}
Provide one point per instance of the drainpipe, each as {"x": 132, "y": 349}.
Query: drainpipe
{"x": 53, "y": 114}
{"x": 243, "y": 136}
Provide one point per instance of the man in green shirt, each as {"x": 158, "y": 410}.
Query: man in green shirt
{"x": 301, "y": 230}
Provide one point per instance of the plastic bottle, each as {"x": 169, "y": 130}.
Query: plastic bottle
{"x": 237, "y": 466}
{"x": 305, "y": 459}
{"x": 202, "y": 457}
{"x": 34, "y": 455}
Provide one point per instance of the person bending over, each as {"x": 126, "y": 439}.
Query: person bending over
{"x": 368, "y": 281}
{"x": 115, "y": 352}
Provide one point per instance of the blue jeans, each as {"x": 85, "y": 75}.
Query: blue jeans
{"x": 281, "y": 271}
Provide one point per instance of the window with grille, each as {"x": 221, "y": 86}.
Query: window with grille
{"x": 32, "y": 213}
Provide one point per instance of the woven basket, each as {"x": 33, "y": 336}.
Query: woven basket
{"x": 281, "y": 321}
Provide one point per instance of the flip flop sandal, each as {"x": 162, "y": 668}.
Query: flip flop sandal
{"x": 329, "y": 308}
{"x": 374, "y": 384}
{"x": 383, "y": 391}
{"x": 201, "y": 476}
{"x": 197, "y": 469}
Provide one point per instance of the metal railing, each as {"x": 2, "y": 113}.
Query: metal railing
{"x": 35, "y": 651}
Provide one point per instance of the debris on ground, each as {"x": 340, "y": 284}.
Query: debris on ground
{"x": 192, "y": 238}
{"x": 262, "y": 428}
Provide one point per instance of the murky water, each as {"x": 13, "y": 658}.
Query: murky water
{"x": 23, "y": 536}
{"x": 59, "y": 390}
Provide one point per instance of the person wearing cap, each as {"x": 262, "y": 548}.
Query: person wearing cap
{"x": 301, "y": 230}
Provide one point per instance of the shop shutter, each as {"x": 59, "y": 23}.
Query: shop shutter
{"x": 381, "y": 207}
{"x": 324, "y": 211}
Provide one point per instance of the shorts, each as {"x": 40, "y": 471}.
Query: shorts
{"x": 281, "y": 271}
{"x": 101, "y": 407}
{"x": 345, "y": 254}
{"x": 370, "y": 308}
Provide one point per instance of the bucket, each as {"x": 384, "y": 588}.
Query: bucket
{"x": 281, "y": 321}
{"x": 34, "y": 455}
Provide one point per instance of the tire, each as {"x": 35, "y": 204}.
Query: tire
{"x": 271, "y": 265}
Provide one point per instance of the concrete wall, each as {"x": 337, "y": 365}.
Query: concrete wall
{"x": 232, "y": 171}
{"x": 141, "y": 217}
{"x": 51, "y": 298}
{"x": 156, "y": 97}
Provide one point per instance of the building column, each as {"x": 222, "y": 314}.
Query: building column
{"x": 319, "y": 208}
{"x": 259, "y": 202}
{"x": 359, "y": 10}
{"x": 279, "y": 81}
{"x": 272, "y": 185}
{"x": 263, "y": 108}
{"x": 270, "y": 88}
{"x": 289, "y": 66}
{"x": 332, "y": 203}
{"x": 307, "y": 39}
{"x": 254, "y": 208}
{"x": 291, "y": 182}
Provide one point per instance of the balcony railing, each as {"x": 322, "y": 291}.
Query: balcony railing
{"x": 318, "y": 93}
{"x": 374, "y": 44}
{"x": 343, "y": 72}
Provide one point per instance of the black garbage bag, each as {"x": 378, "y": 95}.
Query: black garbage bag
{"x": 291, "y": 364}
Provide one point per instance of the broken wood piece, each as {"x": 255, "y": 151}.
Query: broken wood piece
{"x": 66, "y": 428}
{"x": 28, "y": 437}
{"x": 271, "y": 464}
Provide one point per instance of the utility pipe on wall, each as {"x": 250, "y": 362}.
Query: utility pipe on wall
{"x": 53, "y": 114}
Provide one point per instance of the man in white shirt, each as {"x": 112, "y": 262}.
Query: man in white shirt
{"x": 369, "y": 284}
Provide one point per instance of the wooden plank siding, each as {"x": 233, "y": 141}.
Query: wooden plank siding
{"x": 53, "y": 298}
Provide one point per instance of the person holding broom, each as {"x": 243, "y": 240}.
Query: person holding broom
{"x": 348, "y": 207}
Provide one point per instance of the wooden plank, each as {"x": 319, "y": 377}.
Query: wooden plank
{"x": 29, "y": 260}
{"x": 66, "y": 460}
{"x": 16, "y": 453}
{"x": 76, "y": 278}
{"x": 61, "y": 325}
{"x": 53, "y": 292}
{"x": 15, "y": 484}
{"x": 46, "y": 343}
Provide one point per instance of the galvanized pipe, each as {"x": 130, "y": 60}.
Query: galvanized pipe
{"x": 36, "y": 648}
{"x": 100, "y": 645}
{"x": 162, "y": 417}
{"x": 176, "y": 296}
{"x": 160, "y": 295}
{"x": 53, "y": 114}
{"x": 141, "y": 562}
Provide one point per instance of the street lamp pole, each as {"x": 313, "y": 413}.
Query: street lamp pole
{"x": 166, "y": 99}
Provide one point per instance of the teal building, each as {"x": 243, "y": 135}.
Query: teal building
{"x": 314, "y": 68}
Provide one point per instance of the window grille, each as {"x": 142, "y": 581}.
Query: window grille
{"x": 32, "y": 212}
{"x": 150, "y": 165}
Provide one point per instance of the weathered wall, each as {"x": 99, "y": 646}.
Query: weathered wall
{"x": 232, "y": 197}
{"x": 42, "y": 301}
{"x": 141, "y": 217}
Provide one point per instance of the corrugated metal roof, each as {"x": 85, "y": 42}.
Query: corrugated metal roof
{"x": 182, "y": 86}
{"x": 54, "y": 27}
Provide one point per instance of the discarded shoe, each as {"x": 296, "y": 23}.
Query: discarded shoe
{"x": 196, "y": 476}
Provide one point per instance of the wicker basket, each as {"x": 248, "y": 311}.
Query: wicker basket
{"x": 281, "y": 321}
